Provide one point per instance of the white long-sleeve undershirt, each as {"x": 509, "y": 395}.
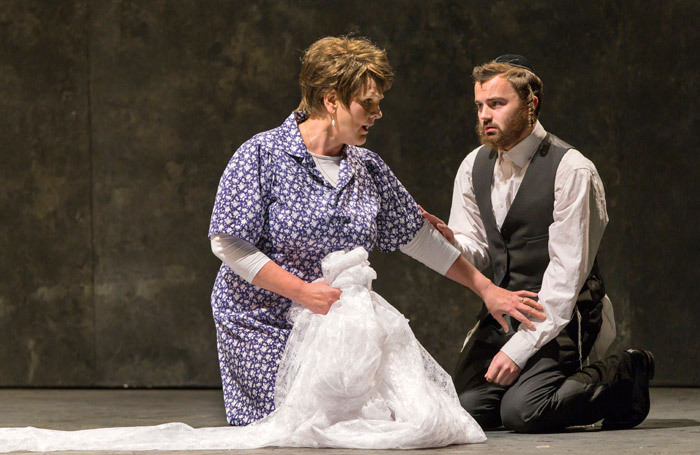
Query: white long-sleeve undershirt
{"x": 245, "y": 259}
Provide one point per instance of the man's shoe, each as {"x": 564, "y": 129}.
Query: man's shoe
{"x": 642, "y": 372}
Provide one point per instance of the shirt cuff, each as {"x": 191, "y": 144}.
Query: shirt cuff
{"x": 519, "y": 349}
{"x": 432, "y": 249}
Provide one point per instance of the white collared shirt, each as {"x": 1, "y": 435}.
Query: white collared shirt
{"x": 580, "y": 218}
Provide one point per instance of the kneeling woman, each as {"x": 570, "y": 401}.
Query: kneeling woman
{"x": 290, "y": 196}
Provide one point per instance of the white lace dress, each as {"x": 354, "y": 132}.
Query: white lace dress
{"x": 354, "y": 378}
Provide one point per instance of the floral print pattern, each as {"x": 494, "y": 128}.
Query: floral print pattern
{"x": 272, "y": 195}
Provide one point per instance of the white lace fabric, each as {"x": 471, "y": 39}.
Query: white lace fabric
{"x": 354, "y": 378}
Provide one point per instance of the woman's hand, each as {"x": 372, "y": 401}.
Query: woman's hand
{"x": 439, "y": 225}
{"x": 319, "y": 296}
{"x": 517, "y": 305}
{"x": 498, "y": 301}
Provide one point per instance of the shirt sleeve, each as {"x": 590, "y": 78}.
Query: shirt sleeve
{"x": 240, "y": 204}
{"x": 432, "y": 249}
{"x": 580, "y": 218}
{"x": 465, "y": 218}
{"x": 242, "y": 257}
{"x": 399, "y": 218}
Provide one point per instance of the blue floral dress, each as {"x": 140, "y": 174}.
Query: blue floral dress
{"x": 272, "y": 195}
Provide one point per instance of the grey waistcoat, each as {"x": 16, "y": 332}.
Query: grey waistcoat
{"x": 519, "y": 251}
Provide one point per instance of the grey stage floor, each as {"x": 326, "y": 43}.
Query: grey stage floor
{"x": 673, "y": 426}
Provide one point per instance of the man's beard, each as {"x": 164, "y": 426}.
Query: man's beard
{"x": 508, "y": 134}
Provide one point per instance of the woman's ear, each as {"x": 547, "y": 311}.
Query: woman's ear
{"x": 330, "y": 101}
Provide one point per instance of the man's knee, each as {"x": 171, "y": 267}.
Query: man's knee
{"x": 483, "y": 408}
{"x": 519, "y": 416}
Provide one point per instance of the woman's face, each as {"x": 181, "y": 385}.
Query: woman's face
{"x": 353, "y": 122}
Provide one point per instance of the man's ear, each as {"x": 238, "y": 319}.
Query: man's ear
{"x": 535, "y": 102}
{"x": 330, "y": 101}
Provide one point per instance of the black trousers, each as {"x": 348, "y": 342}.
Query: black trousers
{"x": 553, "y": 391}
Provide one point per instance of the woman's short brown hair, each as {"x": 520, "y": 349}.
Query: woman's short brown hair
{"x": 525, "y": 82}
{"x": 342, "y": 64}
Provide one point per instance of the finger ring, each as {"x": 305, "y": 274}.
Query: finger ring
{"x": 522, "y": 299}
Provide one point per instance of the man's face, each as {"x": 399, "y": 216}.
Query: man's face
{"x": 503, "y": 118}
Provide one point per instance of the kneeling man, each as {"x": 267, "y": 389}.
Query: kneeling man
{"x": 532, "y": 207}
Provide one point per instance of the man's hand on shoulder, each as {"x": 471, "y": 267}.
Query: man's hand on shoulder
{"x": 503, "y": 370}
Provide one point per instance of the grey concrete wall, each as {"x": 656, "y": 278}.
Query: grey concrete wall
{"x": 117, "y": 118}
{"x": 46, "y": 266}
